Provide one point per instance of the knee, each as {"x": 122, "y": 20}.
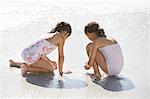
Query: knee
{"x": 88, "y": 46}
{"x": 24, "y": 66}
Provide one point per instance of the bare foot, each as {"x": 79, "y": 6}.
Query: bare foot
{"x": 59, "y": 77}
{"x": 12, "y": 64}
{"x": 95, "y": 76}
{"x": 24, "y": 70}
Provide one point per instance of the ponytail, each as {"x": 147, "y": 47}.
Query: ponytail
{"x": 62, "y": 26}
{"x": 101, "y": 33}
{"x": 53, "y": 30}
{"x": 57, "y": 27}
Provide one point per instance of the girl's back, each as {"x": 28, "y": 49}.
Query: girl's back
{"x": 113, "y": 56}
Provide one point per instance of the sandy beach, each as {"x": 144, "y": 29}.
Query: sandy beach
{"x": 24, "y": 22}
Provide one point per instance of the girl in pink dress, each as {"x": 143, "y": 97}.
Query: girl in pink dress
{"x": 34, "y": 56}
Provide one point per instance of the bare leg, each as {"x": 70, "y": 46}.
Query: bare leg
{"x": 18, "y": 64}
{"x": 46, "y": 58}
{"x": 99, "y": 61}
{"x": 96, "y": 69}
{"x": 95, "y": 65}
{"x": 41, "y": 65}
{"x": 25, "y": 68}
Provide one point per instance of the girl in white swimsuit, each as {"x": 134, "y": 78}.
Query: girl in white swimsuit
{"x": 103, "y": 52}
{"x": 113, "y": 58}
{"x": 34, "y": 56}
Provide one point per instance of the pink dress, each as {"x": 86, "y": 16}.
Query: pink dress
{"x": 33, "y": 53}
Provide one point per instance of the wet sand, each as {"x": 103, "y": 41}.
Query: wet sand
{"x": 23, "y": 24}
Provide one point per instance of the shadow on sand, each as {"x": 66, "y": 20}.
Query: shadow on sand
{"x": 49, "y": 81}
{"x": 114, "y": 83}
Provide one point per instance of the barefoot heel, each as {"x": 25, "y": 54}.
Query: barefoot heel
{"x": 15, "y": 66}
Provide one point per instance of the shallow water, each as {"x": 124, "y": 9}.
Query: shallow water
{"x": 51, "y": 81}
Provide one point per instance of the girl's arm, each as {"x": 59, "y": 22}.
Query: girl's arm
{"x": 61, "y": 56}
{"x": 95, "y": 45}
{"x": 92, "y": 54}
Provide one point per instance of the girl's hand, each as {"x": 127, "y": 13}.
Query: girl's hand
{"x": 87, "y": 67}
{"x": 55, "y": 64}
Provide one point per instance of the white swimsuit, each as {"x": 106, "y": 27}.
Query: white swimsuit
{"x": 36, "y": 50}
{"x": 113, "y": 57}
